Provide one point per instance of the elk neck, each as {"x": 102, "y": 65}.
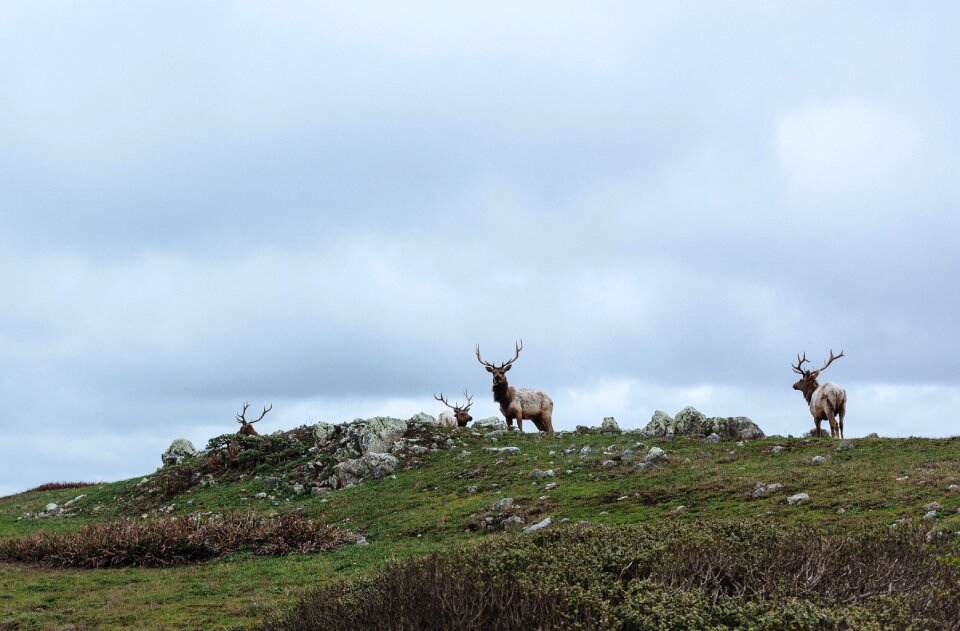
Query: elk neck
{"x": 501, "y": 393}
{"x": 808, "y": 388}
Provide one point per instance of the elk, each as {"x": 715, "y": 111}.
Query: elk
{"x": 246, "y": 427}
{"x": 459, "y": 417}
{"x": 519, "y": 403}
{"x": 828, "y": 401}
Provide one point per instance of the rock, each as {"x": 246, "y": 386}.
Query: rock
{"x": 713, "y": 438}
{"x": 502, "y": 504}
{"x": 537, "y": 473}
{"x": 609, "y": 464}
{"x": 844, "y": 444}
{"x": 538, "y": 526}
{"x": 179, "y": 451}
{"x": 582, "y": 429}
{"x": 841, "y": 511}
{"x": 798, "y": 498}
{"x": 490, "y": 423}
{"x": 642, "y": 466}
{"x": 323, "y": 432}
{"x": 74, "y": 501}
{"x": 261, "y": 495}
{"x": 932, "y": 506}
{"x": 422, "y": 418}
{"x": 271, "y": 482}
{"x": 872, "y": 435}
{"x": 51, "y": 507}
{"x": 818, "y": 460}
{"x": 731, "y": 427}
{"x": 586, "y": 451}
{"x": 508, "y": 451}
{"x": 688, "y": 422}
{"x": 762, "y": 489}
{"x": 656, "y": 455}
{"x": 776, "y": 449}
{"x": 299, "y": 489}
{"x": 660, "y": 425}
{"x": 609, "y": 424}
{"x": 550, "y": 486}
{"x": 511, "y": 522}
{"x": 678, "y": 510}
{"x": 378, "y": 434}
{"x": 370, "y": 466}
{"x": 931, "y": 515}
{"x": 473, "y": 489}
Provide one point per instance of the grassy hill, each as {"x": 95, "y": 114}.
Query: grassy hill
{"x": 442, "y": 499}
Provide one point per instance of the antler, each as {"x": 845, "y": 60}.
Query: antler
{"x": 443, "y": 400}
{"x": 829, "y": 361}
{"x": 518, "y": 346}
{"x": 265, "y": 410}
{"x": 243, "y": 413}
{"x": 469, "y": 400}
{"x": 797, "y": 369}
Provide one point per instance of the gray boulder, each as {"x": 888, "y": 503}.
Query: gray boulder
{"x": 691, "y": 422}
{"x": 370, "y": 466}
{"x": 422, "y": 418}
{"x": 656, "y": 455}
{"x": 538, "y": 526}
{"x": 660, "y": 424}
{"x": 377, "y": 435}
{"x": 179, "y": 451}
{"x": 609, "y": 424}
{"x": 490, "y": 423}
{"x": 322, "y": 432}
{"x": 732, "y": 427}
{"x": 502, "y": 504}
{"x": 713, "y": 438}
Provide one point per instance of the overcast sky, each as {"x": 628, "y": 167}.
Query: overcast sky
{"x": 324, "y": 206}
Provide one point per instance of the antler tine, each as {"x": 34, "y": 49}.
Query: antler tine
{"x": 241, "y": 417}
{"x": 443, "y": 400}
{"x": 797, "y": 369}
{"x": 830, "y": 361}
{"x": 469, "y": 399}
{"x": 265, "y": 410}
{"x": 481, "y": 360}
{"x": 518, "y": 347}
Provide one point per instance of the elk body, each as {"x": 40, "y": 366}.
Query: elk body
{"x": 519, "y": 403}
{"x": 246, "y": 427}
{"x": 460, "y": 415}
{"x": 828, "y": 401}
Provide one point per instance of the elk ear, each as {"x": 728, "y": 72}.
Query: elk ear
{"x": 489, "y": 369}
{"x": 507, "y": 368}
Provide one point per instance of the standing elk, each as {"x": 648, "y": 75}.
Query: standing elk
{"x": 519, "y": 403}
{"x": 459, "y": 417}
{"x": 246, "y": 427}
{"x": 828, "y": 401}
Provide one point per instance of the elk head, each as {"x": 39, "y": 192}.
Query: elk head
{"x": 500, "y": 372}
{"x": 808, "y": 378}
{"x": 246, "y": 427}
{"x": 461, "y": 412}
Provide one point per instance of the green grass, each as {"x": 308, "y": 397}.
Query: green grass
{"x": 428, "y": 507}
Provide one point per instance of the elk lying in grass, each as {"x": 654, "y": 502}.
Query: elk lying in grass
{"x": 519, "y": 403}
{"x": 246, "y": 427}
{"x": 459, "y": 417}
{"x": 828, "y": 401}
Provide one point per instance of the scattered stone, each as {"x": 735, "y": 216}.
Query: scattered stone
{"x": 179, "y": 451}
{"x": 776, "y": 449}
{"x": 818, "y": 460}
{"x": 656, "y": 455}
{"x": 538, "y": 526}
{"x": 299, "y": 489}
{"x": 841, "y": 511}
{"x": 508, "y": 451}
{"x": 51, "y": 507}
{"x": 73, "y": 501}
{"x": 511, "y": 522}
{"x": 537, "y": 473}
{"x": 609, "y": 464}
{"x": 550, "y": 486}
{"x": 422, "y": 418}
{"x": 372, "y": 465}
{"x": 903, "y": 478}
{"x": 678, "y": 510}
{"x": 261, "y": 495}
{"x": 643, "y": 466}
{"x": 844, "y": 445}
{"x": 609, "y": 424}
{"x": 586, "y": 451}
{"x": 762, "y": 489}
{"x": 931, "y": 515}
{"x": 932, "y": 506}
{"x": 798, "y": 498}
{"x": 472, "y": 490}
{"x": 687, "y": 461}
{"x": 713, "y": 438}
{"x": 872, "y": 435}
{"x": 502, "y": 504}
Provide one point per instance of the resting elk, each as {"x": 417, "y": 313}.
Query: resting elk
{"x": 519, "y": 403}
{"x": 828, "y": 401}
{"x": 246, "y": 427}
{"x": 459, "y": 417}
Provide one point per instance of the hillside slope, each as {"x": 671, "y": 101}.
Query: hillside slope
{"x": 445, "y": 497}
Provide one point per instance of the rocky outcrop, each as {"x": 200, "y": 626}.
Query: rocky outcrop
{"x": 369, "y": 466}
{"x": 691, "y": 422}
{"x": 491, "y": 423}
{"x": 422, "y": 418}
{"x": 609, "y": 424}
{"x": 179, "y": 451}
{"x": 377, "y": 435}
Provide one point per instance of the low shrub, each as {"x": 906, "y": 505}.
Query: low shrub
{"x": 56, "y": 486}
{"x": 716, "y": 575}
{"x": 169, "y": 541}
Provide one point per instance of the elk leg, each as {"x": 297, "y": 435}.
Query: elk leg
{"x": 834, "y": 430}
{"x": 842, "y": 412}
{"x": 818, "y": 432}
{"x": 520, "y": 422}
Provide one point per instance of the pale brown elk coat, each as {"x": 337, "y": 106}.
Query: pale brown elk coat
{"x": 827, "y": 401}
{"x": 517, "y": 404}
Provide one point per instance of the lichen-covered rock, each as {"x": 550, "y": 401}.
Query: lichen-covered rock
{"x": 323, "y": 432}
{"x": 490, "y": 423}
{"x": 377, "y": 435}
{"x": 732, "y": 427}
{"x": 179, "y": 451}
{"x": 422, "y": 418}
{"x": 370, "y": 466}
{"x": 660, "y": 423}
{"x": 609, "y": 424}
{"x": 713, "y": 438}
{"x": 656, "y": 455}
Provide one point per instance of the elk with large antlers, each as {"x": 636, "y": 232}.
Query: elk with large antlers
{"x": 828, "y": 401}
{"x": 246, "y": 427}
{"x": 519, "y": 403}
{"x": 459, "y": 417}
